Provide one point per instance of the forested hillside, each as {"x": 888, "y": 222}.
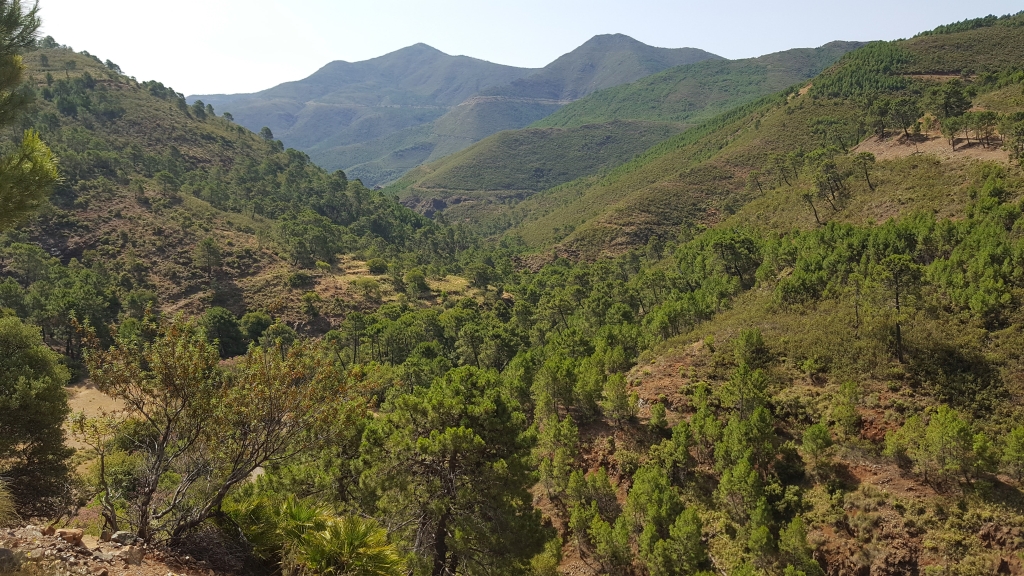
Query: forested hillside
{"x": 697, "y": 92}
{"x": 599, "y": 132}
{"x": 886, "y": 90}
{"x": 786, "y": 341}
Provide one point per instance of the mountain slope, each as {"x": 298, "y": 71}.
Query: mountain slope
{"x": 379, "y": 118}
{"x": 601, "y": 62}
{"x": 165, "y": 203}
{"x": 701, "y": 176}
{"x": 347, "y": 102}
{"x": 699, "y": 91}
{"x": 661, "y": 104}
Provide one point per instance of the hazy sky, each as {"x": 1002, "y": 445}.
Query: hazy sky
{"x": 219, "y": 46}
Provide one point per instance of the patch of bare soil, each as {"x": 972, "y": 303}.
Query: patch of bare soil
{"x": 85, "y": 397}
{"x": 900, "y": 146}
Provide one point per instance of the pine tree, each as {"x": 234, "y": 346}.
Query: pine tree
{"x": 28, "y": 174}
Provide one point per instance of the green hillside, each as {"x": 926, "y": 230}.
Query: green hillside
{"x": 378, "y": 118}
{"x": 788, "y": 342}
{"x": 704, "y": 174}
{"x": 525, "y": 161}
{"x": 170, "y": 204}
{"x": 697, "y": 92}
{"x": 664, "y": 102}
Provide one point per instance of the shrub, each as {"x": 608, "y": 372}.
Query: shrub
{"x": 377, "y": 266}
{"x": 300, "y": 279}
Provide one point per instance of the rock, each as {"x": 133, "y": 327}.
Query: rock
{"x": 103, "y": 556}
{"x": 8, "y": 561}
{"x": 36, "y": 555}
{"x": 105, "y": 536}
{"x": 99, "y": 571}
{"x": 28, "y": 533}
{"x": 49, "y": 530}
{"x": 70, "y": 535}
{"x": 122, "y": 537}
{"x": 131, "y": 555}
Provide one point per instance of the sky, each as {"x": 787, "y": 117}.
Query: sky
{"x": 232, "y": 46}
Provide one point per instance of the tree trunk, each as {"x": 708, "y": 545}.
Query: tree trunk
{"x": 441, "y": 546}
{"x": 899, "y": 333}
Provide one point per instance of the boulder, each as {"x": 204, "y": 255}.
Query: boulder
{"x": 70, "y": 535}
{"x": 8, "y": 561}
{"x": 123, "y": 537}
{"x": 132, "y": 555}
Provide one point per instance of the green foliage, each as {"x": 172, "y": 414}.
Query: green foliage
{"x": 557, "y": 452}
{"x": 377, "y": 266}
{"x": 33, "y": 405}
{"x": 943, "y": 451}
{"x": 658, "y": 420}
{"x": 974, "y": 23}
{"x": 816, "y": 442}
{"x": 869, "y": 69}
{"x": 207, "y": 431}
{"x": 222, "y": 330}
{"x": 254, "y": 324}
{"x": 844, "y": 410}
{"x": 618, "y": 403}
{"x": 27, "y": 175}
{"x": 455, "y": 456}
{"x": 207, "y": 255}
{"x": 750, "y": 350}
{"x": 1013, "y": 453}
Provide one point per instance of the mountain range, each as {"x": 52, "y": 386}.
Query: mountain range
{"x": 378, "y": 118}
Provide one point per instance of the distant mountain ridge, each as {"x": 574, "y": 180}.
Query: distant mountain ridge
{"x": 380, "y": 117}
{"x": 601, "y": 131}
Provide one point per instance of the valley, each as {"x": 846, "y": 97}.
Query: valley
{"x": 641, "y": 312}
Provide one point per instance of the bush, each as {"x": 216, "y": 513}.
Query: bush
{"x": 377, "y": 266}
{"x": 222, "y": 327}
{"x": 253, "y": 324}
{"x": 300, "y": 280}
{"x": 33, "y": 406}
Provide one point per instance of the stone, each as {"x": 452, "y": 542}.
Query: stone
{"x": 103, "y": 556}
{"x": 36, "y": 555}
{"x": 122, "y": 537}
{"x": 70, "y": 535}
{"x": 100, "y": 571}
{"x": 29, "y": 533}
{"x": 132, "y": 555}
{"x": 8, "y": 561}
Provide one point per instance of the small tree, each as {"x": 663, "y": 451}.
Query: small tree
{"x": 904, "y": 113}
{"x": 266, "y": 134}
{"x": 33, "y": 405}
{"x": 816, "y": 442}
{"x": 207, "y": 256}
{"x": 1013, "y": 453}
{"x": 201, "y": 432}
{"x": 416, "y": 282}
{"x": 222, "y": 328}
{"x": 253, "y": 324}
{"x": 902, "y": 277}
{"x": 618, "y": 404}
{"x": 863, "y": 161}
{"x": 844, "y": 409}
